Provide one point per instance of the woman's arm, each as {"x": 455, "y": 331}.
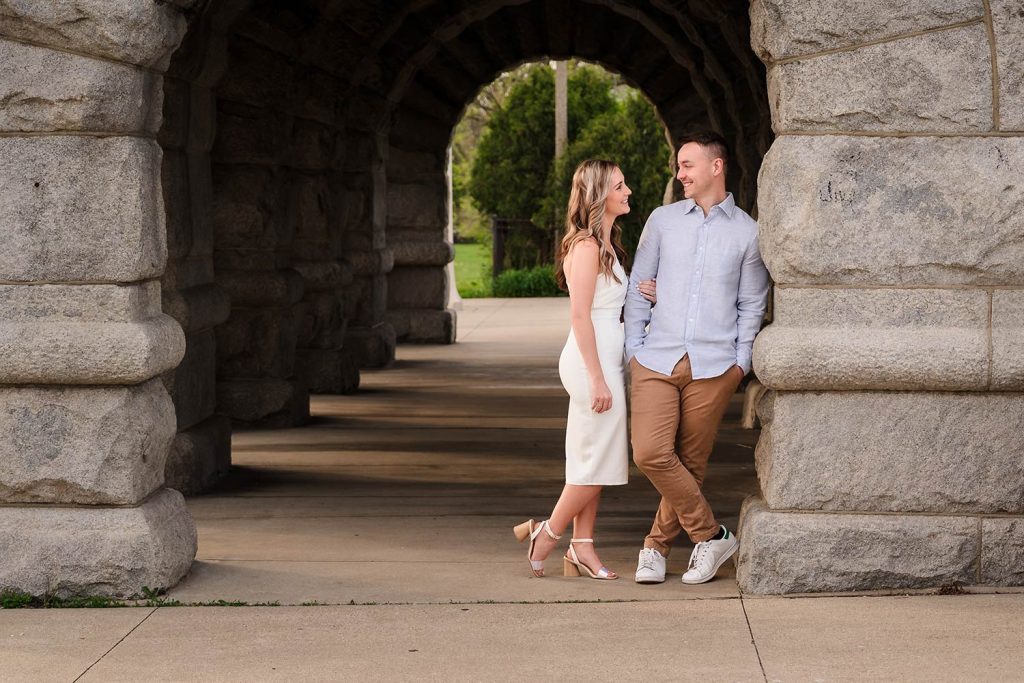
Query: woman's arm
{"x": 582, "y": 278}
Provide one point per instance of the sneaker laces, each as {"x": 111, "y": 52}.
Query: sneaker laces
{"x": 701, "y": 552}
{"x": 647, "y": 559}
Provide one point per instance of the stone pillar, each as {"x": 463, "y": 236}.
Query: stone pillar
{"x": 890, "y": 212}
{"x": 201, "y": 452}
{"x": 417, "y": 215}
{"x": 323, "y": 362}
{"x": 86, "y": 422}
{"x": 257, "y": 383}
{"x": 369, "y": 337}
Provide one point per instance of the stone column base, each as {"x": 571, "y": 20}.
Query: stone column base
{"x": 371, "y": 347}
{"x": 327, "y": 371}
{"x": 812, "y": 552}
{"x": 108, "y": 551}
{"x": 424, "y": 326}
{"x": 200, "y": 456}
{"x": 266, "y": 403}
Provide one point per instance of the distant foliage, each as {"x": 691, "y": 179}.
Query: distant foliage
{"x": 630, "y": 135}
{"x": 539, "y": 281}
{"x": 509, "y": 176}
{"x": 503, "y": 164}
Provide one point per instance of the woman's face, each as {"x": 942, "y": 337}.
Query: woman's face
{"x": 617, "y": 202}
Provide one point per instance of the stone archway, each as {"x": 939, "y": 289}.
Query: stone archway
{"x": 302, "y": 168}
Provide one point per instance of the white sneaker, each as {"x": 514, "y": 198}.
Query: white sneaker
{"x": 708, "y": 556}
{"x": 651, "y": 567}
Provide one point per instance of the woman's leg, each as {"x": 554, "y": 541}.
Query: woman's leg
{"x": 583, "y": 527}
{"x": 574, "y": 499}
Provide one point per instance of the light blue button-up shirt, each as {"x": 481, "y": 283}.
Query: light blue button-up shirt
{"x": 712, "y": 289}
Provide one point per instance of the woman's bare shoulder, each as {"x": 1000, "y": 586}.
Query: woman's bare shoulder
{"x": 584, "y": 246}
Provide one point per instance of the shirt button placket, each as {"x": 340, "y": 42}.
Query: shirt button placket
{"x": 695, "y": 283}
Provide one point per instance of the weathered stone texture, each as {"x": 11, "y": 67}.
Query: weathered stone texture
{"x": 313, "y": 146}
{"x": 369, "y": 263}
{"x": 83, "y": 445}
{"x": 414, "y": 167}
{"x": 264, "y": 402}
{"x": 257, "y": 76}
{"x": 250, "y": 135}
{"x": 416, "y": 205}
{"x": 1008, "y": 339}
{"x": 199, "y": 307}
{"x": 81, "y": 209}
{"x": 792, "y": 552}
{"x": 89, "y": 352}
{"x": 46, "y": 90}
{"x": 371, "y": 346}
{"x": 310, "y": 209}
{"x": 243, "y": 208}
{"x": 256, "y": 343}
{"x": 1008, "y": 26}
{"x": 79, "y": 303}
{"x": 417, "y": 287}
{"x": 262, "y": 289}
{"x": 320, "y": 321}
{"x": 938, "y": 82}
{"x": 199, "y": 456}
{"x": 841, "y": 339}
{"x": 1002, "y": 551}
{"x": 409, "y": 252}
{"x": 889, "y": 451}
{"x": 82, "y": 551}
{"x": 192, "y": 384}
{"x": 423, "y": 325}
{"x": 188, "y": 196}
{"x": 327, "y": 371}
{"x": 324, "y": 276}
{"x": 886, "y": 211}
{"x": 782, "y": 28}
{"x": 174, "y": 179}
{"x": 135, "y": 31}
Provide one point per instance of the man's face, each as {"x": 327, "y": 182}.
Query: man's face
{"x": 698, "y": 172}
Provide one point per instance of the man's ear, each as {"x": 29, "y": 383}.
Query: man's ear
{"x": 718, "y": 166}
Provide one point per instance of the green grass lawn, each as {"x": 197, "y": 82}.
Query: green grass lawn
{"x": 473, "y": 270}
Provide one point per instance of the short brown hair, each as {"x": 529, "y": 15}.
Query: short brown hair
{"x": 711, "y": 142}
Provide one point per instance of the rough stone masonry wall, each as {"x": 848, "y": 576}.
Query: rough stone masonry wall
{"x": 201, "y": 452}
{"x": 274, "y": 213}
{"x": 892, "y": 221}
{"x": 86, "y": 422}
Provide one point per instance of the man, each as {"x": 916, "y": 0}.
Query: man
{"x": 688, "y": 354}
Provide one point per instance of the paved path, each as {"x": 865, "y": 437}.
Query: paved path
{"x": 393, "y": 512}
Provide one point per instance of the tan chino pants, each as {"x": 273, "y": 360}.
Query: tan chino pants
{"x": 673, "y": 424}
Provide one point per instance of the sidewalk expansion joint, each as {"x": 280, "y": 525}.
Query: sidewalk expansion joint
{"x": 101, "y": 657}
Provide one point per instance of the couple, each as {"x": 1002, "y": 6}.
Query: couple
{"x": 687, "y": 356}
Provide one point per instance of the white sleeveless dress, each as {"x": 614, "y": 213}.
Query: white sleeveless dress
{"x": 596, "y": 443}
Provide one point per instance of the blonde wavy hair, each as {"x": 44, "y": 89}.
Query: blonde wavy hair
{"x": 591, "y": 184}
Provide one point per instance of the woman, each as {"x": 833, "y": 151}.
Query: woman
{"x": 591, "y": 366}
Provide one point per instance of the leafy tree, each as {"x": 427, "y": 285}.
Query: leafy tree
{"x": 630, "y": 135}
{"x": 470, "y": 223}
{"x": 513, "y": 160}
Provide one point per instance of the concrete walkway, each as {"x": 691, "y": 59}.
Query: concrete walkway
{"x": 392, "y": 512}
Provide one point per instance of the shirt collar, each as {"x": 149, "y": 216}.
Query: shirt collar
{"x": 727, "y": 205}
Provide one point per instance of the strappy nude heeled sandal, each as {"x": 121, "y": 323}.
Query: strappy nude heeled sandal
{"x": 571, "y": 564}
{"x": 530, "y": 530}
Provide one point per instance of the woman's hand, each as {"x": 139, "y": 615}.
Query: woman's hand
{"x": 648, "y": 290}
{"x": 600, "y": 395}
